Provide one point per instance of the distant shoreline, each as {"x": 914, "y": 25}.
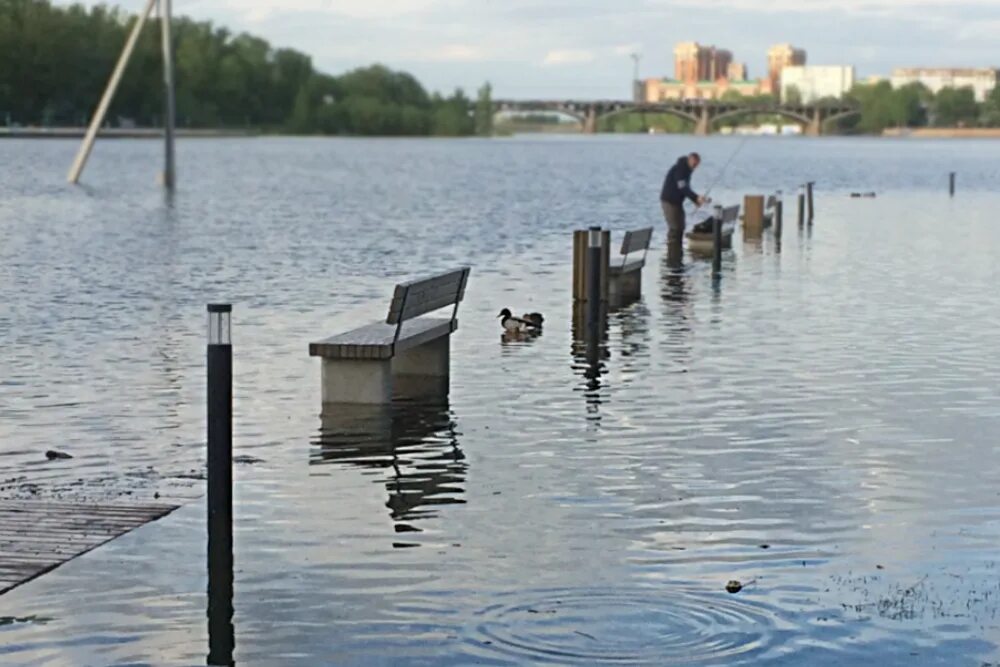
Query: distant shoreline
{"x": 116, "y": 133}
{"x": 944, "y": 132}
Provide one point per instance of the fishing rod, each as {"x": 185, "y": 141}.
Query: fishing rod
{"x": 722, "y": 172}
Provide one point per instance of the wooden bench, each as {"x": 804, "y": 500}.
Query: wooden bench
{"x": 703, "y": 243}
{"x": 365, "y": 365}
{"x": 625, "y": 271}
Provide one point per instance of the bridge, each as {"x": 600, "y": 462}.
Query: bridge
{"x": 702, "y": 113}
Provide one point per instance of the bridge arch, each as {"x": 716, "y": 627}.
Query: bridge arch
{"x": 651, "y": 108}
{"x": 579, "y": 114}
{"x": 842, "y": 114}
{"x": 763, "y": 111}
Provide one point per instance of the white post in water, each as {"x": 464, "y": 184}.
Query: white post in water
{"x": 168, "y": 80}
{"x": 109, "y": 93}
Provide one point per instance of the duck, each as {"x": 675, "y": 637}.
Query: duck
{"x": 525, "y": 323}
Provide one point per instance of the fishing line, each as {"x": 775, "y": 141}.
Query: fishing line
{"x": 722, "y": 172}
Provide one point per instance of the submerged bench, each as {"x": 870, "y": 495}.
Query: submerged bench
{"x": 703, "y": 243}
{"x": 364, "y": 365}
{"x": 625, "y": 271}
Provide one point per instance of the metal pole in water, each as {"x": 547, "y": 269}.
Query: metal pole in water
{"x": 802, "y": 207}
{"x": 221, "y": 638}
{"x": 717, "y": 241}
{"x": 594, "y": 276}
{"x": 109, "y": 93}
{"x": 951, "y": 184}
{"x": 779, "y": 214}
{"x": 169, "y": 110}
{"x": 809, "y": 191}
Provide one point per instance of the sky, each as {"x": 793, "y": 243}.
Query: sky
{"x": 580, "y": 49}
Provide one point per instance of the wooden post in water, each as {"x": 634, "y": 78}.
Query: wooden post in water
{"x": 802, "y": 207}
{"x": 220, "y": 485}
{"x": 717, "y": 241}
{"x": 753, "y": 216}
{"x": 109, "y": 92}
{"x": 809, "y": 192}
{"x": 951, "y": 184}
{"x": 168, "y": 177}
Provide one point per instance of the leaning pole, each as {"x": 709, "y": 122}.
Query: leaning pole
{"x": 168, "y": 176}
{"x": 168, "y": 96}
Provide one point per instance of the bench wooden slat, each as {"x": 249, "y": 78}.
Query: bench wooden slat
{"x": 419, "y": 297}
{"x": 637, "y": 240}
{"x": 375, "y": 341}
{"x": 628, "y": 266}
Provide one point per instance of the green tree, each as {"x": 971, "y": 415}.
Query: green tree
{"x": 955, "y": 107}
{"x": 484, "y": 111}
{"x": 56, "y": 61}
{"x": 792, "y": 95}
{"x": 990, "y": 109}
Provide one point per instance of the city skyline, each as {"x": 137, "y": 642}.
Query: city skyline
{"x": 582, "y": 48}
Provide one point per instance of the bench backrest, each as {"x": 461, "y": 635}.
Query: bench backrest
{"x": 637, "y": 240}
{"x": 418, "y": 297}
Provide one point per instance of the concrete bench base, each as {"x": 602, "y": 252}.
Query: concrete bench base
{"x": 625, "y": 283}
{"x": 704, "y": 244}
{"x": 416, "y": 372}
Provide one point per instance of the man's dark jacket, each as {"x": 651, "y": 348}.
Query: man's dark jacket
{"x": 677, "y": 184}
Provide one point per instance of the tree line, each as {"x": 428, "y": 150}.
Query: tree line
{"x": 57, "y": 60}
{"x": 915, "y": 105}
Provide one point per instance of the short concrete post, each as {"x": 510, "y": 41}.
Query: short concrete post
{"x": 809, "y": 193}
{"x": 594, "y": 278}
{"x": 717, "y": 241}
{"x": 753, "y": 216}
{"x": 220, "y": 486}
{"x": 951, "y": 184}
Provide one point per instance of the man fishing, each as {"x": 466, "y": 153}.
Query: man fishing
{"x": 677, "y": 188}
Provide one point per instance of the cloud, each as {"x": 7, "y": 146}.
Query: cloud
{"x": 568, "y": 57}
{"x": 626, "y": 49}
{"x": 526, "y": 47}
{"x": 454, "y": 53}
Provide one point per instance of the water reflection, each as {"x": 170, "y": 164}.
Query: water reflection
{"x": 514, "y": 339}
{"x": 416, "y": 443}
{"x": 675, "y": 293}
{"x": 590, "y": 355}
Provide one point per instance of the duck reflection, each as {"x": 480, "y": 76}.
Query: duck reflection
{"x": 416, "y": 443}
{"x": 515, "y": 339}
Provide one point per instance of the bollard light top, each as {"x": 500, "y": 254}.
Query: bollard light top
{"x": 594, "y": 237}
{"x": 219, "y": 315}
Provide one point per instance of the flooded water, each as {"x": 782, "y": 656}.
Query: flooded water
{"x": 819, "y": 425}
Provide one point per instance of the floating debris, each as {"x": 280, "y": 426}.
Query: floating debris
{"x": 734, "y": 586}
{"x": 54, "y": 454}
